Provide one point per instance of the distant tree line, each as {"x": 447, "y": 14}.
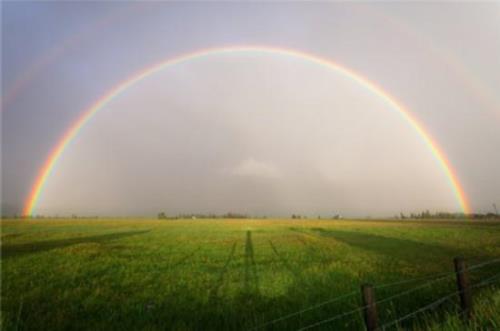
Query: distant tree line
{"x": 446, "y": 215}
{"x": 234, "y": 215}
{"x": 164, "y": 216}
{"x": 334, "y": 217}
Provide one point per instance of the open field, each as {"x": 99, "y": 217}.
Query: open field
{"x": 238, "y": 274}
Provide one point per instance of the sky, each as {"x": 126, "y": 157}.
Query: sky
{"x": 252, "y": 132}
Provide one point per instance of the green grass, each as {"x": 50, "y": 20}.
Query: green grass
{"x": 235, "y": 274}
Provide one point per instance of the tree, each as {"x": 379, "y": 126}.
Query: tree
{"x": 162, "y": 216}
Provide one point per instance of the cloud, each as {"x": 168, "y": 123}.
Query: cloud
{"x": 254, "y": 168}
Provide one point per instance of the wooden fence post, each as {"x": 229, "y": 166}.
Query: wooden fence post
{"x": 463, "y": 287}
{"x": 371, "y": 319}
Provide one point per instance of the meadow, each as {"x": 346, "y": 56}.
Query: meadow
{"x": 280, "y": 274}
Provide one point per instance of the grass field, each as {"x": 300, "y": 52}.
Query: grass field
{"x": 238, "y": 274}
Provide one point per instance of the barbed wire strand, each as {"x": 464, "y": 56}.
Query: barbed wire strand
{"x": 420, "y": 310}
{"x": 413, "y": 280}
{"x": 479, "y": 265}
{"x": 473, "y": 267}
{"x": 299, "y": 312}
{"x": 487, "y": 281}
{"x": 411, "y": 290}
{"x": 336, "y": 317}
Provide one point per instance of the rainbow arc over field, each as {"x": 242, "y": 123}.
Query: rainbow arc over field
{"x": 48, "y": 167}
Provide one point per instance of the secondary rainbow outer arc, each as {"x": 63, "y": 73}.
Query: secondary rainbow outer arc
{"x": 70, "y": 134}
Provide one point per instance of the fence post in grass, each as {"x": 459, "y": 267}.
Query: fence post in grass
{"x": 463, "y": 287}
{"x": 370, "y": 309}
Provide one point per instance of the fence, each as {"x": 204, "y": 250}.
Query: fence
{"x": 369, "y": 302}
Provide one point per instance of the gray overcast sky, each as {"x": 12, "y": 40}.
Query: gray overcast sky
{"x": 253, "y": 133}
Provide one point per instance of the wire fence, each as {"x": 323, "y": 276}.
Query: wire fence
{"x": 302, "y": 311}
{"x": 360, "y": 309}
{"x": 430, "y": 280}
{"x": 345, "y": 296}
{"x": 441, "y": 300}
{"x": 418, "y": 311}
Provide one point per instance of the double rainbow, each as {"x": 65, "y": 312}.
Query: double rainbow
{"x": 49, "y": 165}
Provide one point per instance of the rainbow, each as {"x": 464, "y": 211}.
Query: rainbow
{"x": 56, "y": 153}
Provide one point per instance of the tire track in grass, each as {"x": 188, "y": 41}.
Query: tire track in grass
{"x": 184, "y": 259}
{"x": 214, "y": 291}
{"x": 297, "y": 274}
{"x": 314, "y": 250}
{"x": 251, "y": 281}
